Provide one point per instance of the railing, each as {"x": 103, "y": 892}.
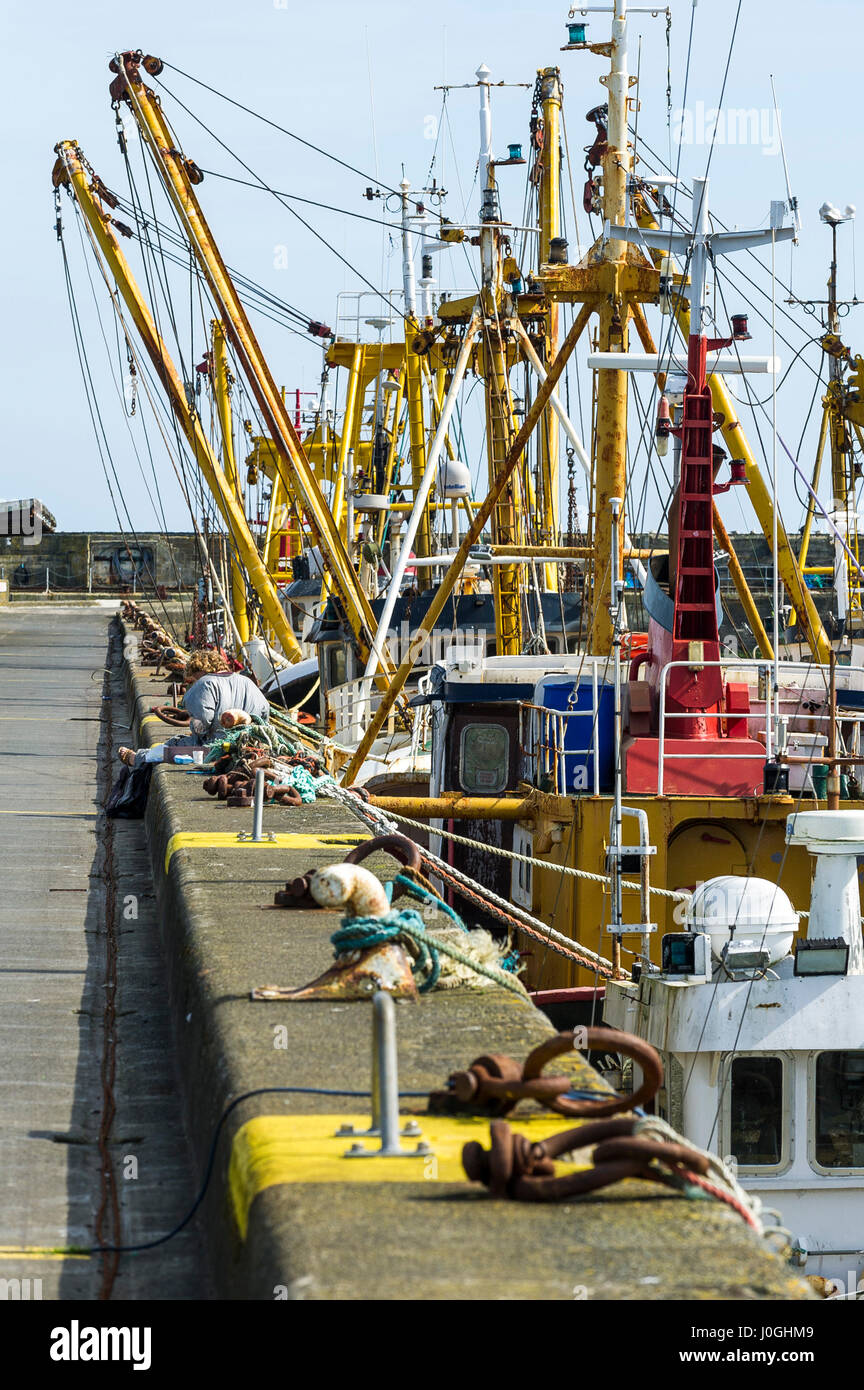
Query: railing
{"x": 546, "y": 744}
{"x": 663, "y": 715}
{"x": 352, "y": 706}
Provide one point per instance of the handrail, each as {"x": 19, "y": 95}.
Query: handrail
{"x": 559, "y": 754}
{"x": 686, "y": 714}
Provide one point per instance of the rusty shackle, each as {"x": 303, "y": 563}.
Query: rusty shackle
{"x": 495, "y": 1083}
{"x": 515, "y": 1168}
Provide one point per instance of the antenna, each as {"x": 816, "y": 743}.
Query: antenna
{"x": 792, "y": 202}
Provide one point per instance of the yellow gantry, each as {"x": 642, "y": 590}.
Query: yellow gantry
{"x": 222, "y": 398}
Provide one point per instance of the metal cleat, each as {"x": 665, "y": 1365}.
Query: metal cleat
{"x": 356, "y": 976}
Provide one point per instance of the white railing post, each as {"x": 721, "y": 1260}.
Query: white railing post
{"x": 661, "y": 727}
{"x": 595, "y": 728}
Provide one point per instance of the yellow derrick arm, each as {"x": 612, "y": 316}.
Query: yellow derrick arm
{"x": 479, "y": 520}
{"x": 71, "y": 172}
{"x": 222, "y": 398}
{"x": 294, "y": 468}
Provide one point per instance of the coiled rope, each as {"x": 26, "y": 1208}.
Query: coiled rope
{"x": 362, "y": 933}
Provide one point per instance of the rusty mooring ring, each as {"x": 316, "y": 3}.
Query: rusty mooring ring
{"x": 609, "y": 1040}
{"x": 399, "y": 846}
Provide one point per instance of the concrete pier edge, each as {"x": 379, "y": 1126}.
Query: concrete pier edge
{"x": 374, "y": 1239}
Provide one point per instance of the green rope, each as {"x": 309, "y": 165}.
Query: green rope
{"x": 423, "y": 895}
{"x": 361, "y": 933}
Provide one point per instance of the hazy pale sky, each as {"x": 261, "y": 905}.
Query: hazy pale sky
{"x": 359, "y": 81}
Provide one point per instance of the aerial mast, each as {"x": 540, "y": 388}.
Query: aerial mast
{"x": 610, "y": 465}
{"x": 549, "y": 84}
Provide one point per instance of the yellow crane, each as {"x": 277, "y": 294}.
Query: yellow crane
{"x": 73, "y": 172}
{"x": 179, "y": 176}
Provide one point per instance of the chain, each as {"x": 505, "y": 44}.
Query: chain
{"x": 133, "y": 381}
{"x": 669, "y": 68}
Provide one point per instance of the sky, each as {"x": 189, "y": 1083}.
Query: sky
{"x": 359, "y": 81}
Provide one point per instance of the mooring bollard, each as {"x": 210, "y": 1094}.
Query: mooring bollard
{"x": 258, "y": 807}
{"x": 385, "y": 1091}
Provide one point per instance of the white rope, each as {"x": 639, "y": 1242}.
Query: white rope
{"x": 378, "y": 821}
{"x": 680, "y": 895}
{"x": 652, "y": 1126}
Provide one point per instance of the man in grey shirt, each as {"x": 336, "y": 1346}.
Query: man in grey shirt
{"x": 217, "y": 700}
{"x": 219, "y": 693}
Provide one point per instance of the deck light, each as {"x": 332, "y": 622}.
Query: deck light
{"x": 824, "y": 956}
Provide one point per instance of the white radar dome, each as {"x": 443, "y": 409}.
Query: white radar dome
{"x": 456, "y": 478}
{"x": 743, "y": 909}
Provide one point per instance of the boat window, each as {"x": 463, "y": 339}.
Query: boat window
{"x": 336, "y": 666}
{"x": 839, "y": 1103}
{"x": 484, "y": 758}
{"x": 756, "y": 1111}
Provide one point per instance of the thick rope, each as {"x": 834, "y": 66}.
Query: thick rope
{"x": 680, "y": 895}
{"x": 554, "y": 940}
{"x": 360, "y": 933}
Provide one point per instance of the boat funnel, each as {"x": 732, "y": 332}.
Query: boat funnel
{"x": 736, "y": 909}
{"x": 836, "y": 838}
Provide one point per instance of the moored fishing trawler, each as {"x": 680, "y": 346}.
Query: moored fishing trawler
{"x": 760, "y": 1034}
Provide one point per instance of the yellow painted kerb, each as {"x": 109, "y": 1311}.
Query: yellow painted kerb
{"x": 227, "y": 839}
{"x": 40, "y": 1252}
{"x": 272, "y": 1150}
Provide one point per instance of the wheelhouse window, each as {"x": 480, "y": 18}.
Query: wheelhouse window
{"x": 337, "y": 667}
{"x": 839, "y": 1110}
{"x": 756, "y": 1111}
{"x": 484, "y": 758}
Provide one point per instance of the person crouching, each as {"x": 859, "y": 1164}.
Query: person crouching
{"x": 215, "y": 698}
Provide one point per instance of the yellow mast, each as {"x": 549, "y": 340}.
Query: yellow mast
{"x": 500, "y": 424}
{"x": 70, "y": 171}
{"x": 610, "y": 466}
{"x": 549, "y": 80}
{"x": 297, "y": 475}
{"x": 222, "y": 397}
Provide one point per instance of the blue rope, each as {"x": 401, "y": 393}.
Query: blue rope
{"x": 510, "y": 963}
{"x": 361, "y": 933}
{"x": 423, "y": 895}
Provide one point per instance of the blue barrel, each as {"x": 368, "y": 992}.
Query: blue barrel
{"x": 576, "y": 733}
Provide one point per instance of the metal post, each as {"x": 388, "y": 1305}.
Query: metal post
{"x": 385, "y": 1089}
{"x": 388, "y": 1072}
{"x": 258, "y": 807}
{"x": 617, "y": 587}
{"x": 408, "y": 282}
